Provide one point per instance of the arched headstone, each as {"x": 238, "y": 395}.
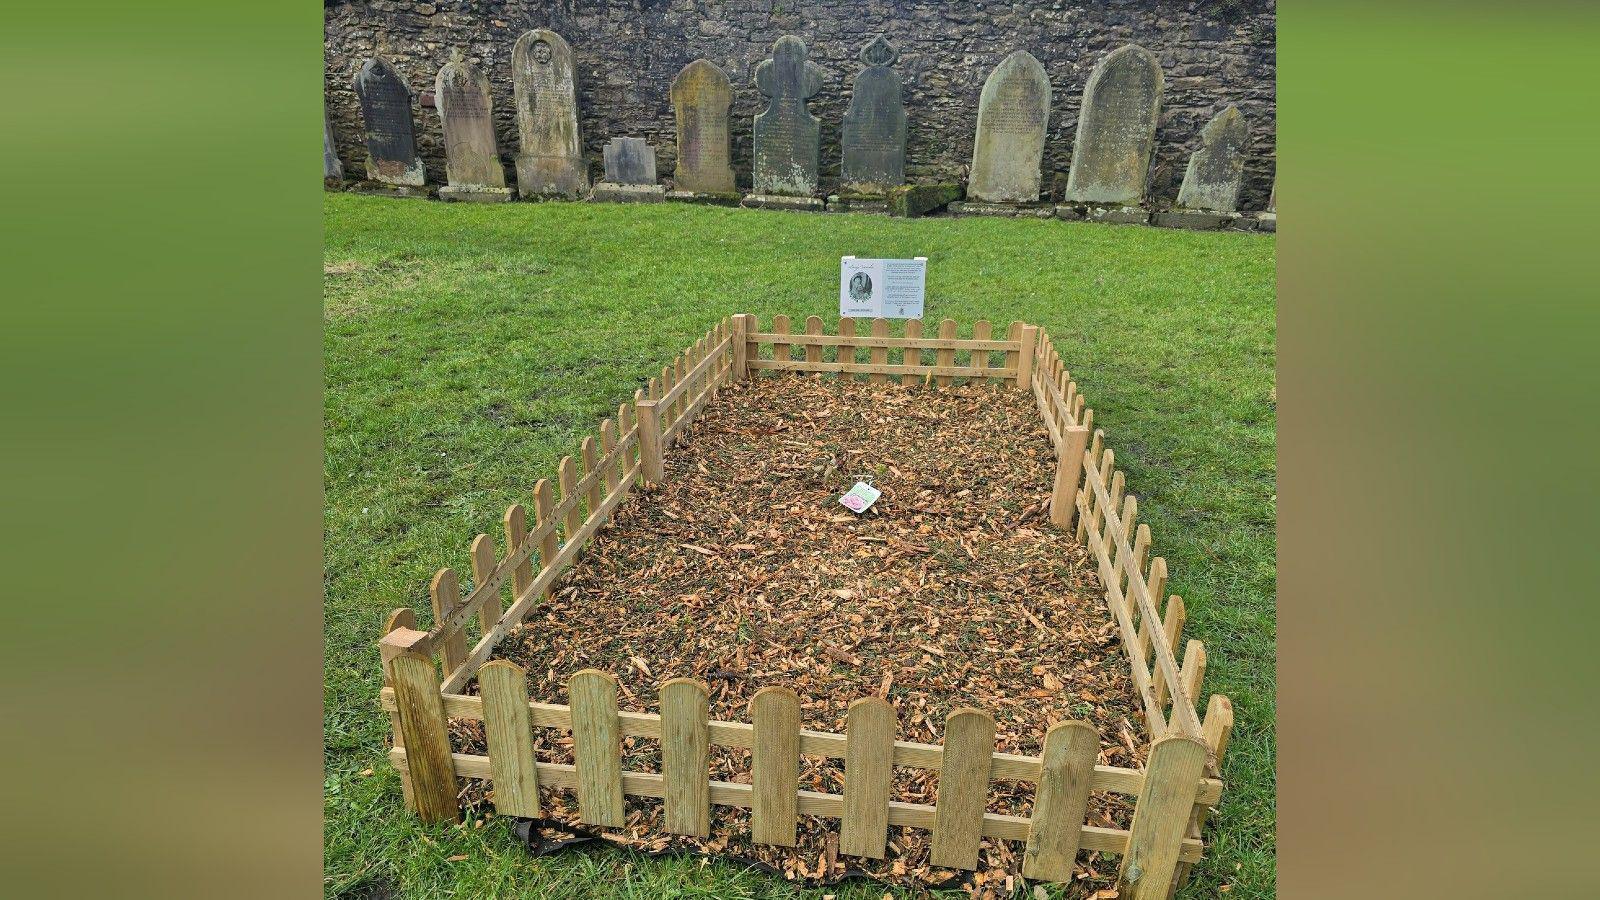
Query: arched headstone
{"x": 472, "y": 157}
{"x": 1216, "y": 170}
{"x": 874, "y": 138}
{"x": 1116, "y": 129}
{"x": 1012, "y": 114}
{"x": 701, "y": 95}
{"x": 386, "y": 116}
{"x": 551, "y": 159}
{"x": 786, "y": 134}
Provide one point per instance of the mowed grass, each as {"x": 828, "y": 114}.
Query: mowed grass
{"x": 469, "y": 347}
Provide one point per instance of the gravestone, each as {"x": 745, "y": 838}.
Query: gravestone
{"x": 472, "y": 158}
{"x": 786, "y": 134}
{"x": 1013, "y": 111}
{"x": 1215, "y": 170}
{"x": 550, "y": 163}
{"x": 332, "y": 168}
{"x": 386, "y": 116}
{"x": 701, "y": 95}
{"x": 874, "y": 138}
{"x": 1116, "y": 130}
{"x": 630, "y": 172}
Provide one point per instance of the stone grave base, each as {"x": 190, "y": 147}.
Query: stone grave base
{"x": 476, "y": 194}
{"x": 1195, "y": 219}
{"x": 983, "y": 208}
{"x": 551, "y": 177}
{"x": 921, "y": 199}
{"x": 711, "y": 197}
{"x": 1069, "y": 212}
{"x": 334, "y": 184}
{"x": 1267, "y": 221}
{"x": 778, "y": 201}
{"x": 1116, "y": 215}
{"x": 836, "y": 203}
{"x": 379, "y": 189}
{"x": 611, "y": 192}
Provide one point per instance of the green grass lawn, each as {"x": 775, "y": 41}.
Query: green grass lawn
{"x": 469, "y": 347}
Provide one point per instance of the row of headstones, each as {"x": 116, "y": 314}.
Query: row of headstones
{"x": 1110, "y": 159}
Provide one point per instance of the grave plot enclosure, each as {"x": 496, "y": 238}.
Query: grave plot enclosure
{"x": 1172, "y": 793}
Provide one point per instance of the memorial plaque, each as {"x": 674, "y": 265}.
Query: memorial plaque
{"x": 551, "y": 159}
{"x": 786, "y": 135}
{"x": 1216, "y": 170}
{"x": 386, "y": 116}
{"x": 472, "y": 158}
{"x": 882, "y": 288}
{"x": 332, "y": 168}
{"x": 701, "y": 95}
{"x": 630, "y": 160}
{"x": 874, "y": 138}
{"x": 1116, "y": 130}
{"x": 1012, "y": 114}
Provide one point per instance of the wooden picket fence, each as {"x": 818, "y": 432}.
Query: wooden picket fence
{"x": 1174, "y": 792}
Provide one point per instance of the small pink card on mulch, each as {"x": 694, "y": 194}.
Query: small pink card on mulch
{"x": 860, "y": 498}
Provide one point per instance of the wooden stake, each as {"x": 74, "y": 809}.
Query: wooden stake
{"x": 911, "y": 356}
{"x": 775, "y": 766}
{"x": 879, "y": 355}
{"x": 597, "y": 747}
{"x": 963, "y": 789}
{"x": 1025, "y": 361}
{"x": 947, "y": 329}
{"x": 1069, "y": 473}
{"x": 740, "y": 349}
{"x": 650, "y": 443}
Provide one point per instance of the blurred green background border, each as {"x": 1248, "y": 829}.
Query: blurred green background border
{"x": 162, "y": 366}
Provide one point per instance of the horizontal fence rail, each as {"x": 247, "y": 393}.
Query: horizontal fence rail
{"x": 1174, "y": 792}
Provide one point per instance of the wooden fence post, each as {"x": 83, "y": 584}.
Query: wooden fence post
{"x": 741, "y": 359}
{"x": 505, "y": 722}
{"x": 775, "y": 766}
{"x": 685, "y": 743}
{"x": 650, "y": 443}
{"x": 1029, "y": 335}
{"x": 1069, "y": 472}
{"x": 597, "y": 747}
{"x": 1216, "y": 729}
{"x": 963, "y": 789}
{"x": 427, "y": 740}
{"x": 911, "y": 356}
{"x": 399, "y": 635}
{"x": 1061, "y": 801}
{"x": 868, "y": 777}
{"x": 1161, "y": 818}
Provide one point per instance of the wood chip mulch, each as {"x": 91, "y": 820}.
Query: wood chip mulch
{"x": 743, "y": 570}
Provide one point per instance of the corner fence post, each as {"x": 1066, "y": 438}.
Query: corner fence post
{"x": 427, "y": 742}
{"x": 1069, "y": 472}
{"x": 1030, "y": 346}
{"x": 650, "y": 442}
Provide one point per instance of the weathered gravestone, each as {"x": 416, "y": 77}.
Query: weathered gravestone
{"x": 1012, "y": 114}
{"x": 332, "y": 168}
{"x": 472, "y": 158}
{"x": 874, "y": 139}
{"x": 701, "y": 95}
{"x": 1268, "y": 221}
{"x": 630, "y": 172}
{"x": 1116, "y": 130}
{"x": 786, "y": 134}
{"x": 1217, "y": 168}
{"x": 551, "y": 162}
{"x": 386, "y": 115}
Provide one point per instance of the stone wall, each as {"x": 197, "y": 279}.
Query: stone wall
{"x": 1213, "y": 53}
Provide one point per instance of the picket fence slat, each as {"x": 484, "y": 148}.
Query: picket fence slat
{"x": 868, "y": 777}
{"x": 911, "y": 355}
{"x": 1160, "y": 818}
{"x": 1061, "y": 800}
{"x": 483, "y": 566}
{"x": 775, "y": 765}
{"x": 685, "y": 748}
{"x": 427, "y": 740}
{"x": 963, "y": 789}
{"x": 879, "y": 354}
{"x": 597, "y": 747}
{"x": 445, "y": 593}
{"x": 505, "y": 723}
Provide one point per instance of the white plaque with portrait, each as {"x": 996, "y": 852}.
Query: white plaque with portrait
{"x": 886, "y": 288}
